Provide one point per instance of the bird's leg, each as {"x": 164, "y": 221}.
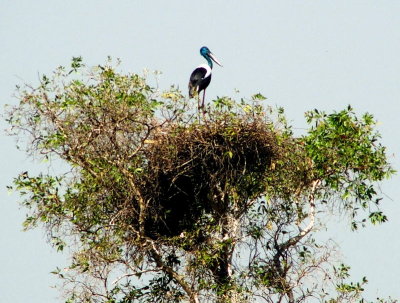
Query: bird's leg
{"x": 202, "y": 104}
{"x": 198, "y": 102}
{"x": 198, "y": 106}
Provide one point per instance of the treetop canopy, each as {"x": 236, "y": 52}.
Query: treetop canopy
{"x": 157, "y": 190}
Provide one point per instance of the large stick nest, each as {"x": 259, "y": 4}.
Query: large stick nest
{"x": 201, "y": 171}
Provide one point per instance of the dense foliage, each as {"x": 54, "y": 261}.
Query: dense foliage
{"x": 161, "y": 204}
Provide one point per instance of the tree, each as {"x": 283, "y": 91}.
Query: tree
{"x": 162, "y": 205}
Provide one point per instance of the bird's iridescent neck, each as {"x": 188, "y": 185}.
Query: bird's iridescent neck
{"x": 209, "y": 61}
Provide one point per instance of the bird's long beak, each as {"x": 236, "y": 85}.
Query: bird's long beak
{"x": 214, "y": 59}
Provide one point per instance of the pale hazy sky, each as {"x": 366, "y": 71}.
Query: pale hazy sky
{"x": 300, "y": 54}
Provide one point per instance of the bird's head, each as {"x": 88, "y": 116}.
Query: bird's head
{"x": 206, "y": 53}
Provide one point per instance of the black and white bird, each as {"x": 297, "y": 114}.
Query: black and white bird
{"x": 201, "y": 76}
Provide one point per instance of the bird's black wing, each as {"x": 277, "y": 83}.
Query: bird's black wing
{"x": 197, "y": 81}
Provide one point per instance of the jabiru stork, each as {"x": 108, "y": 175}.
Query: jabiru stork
{"x": 201, "y": 76}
